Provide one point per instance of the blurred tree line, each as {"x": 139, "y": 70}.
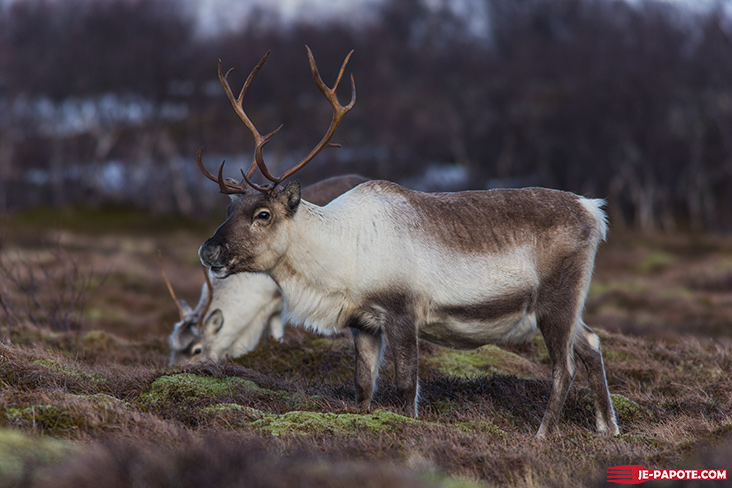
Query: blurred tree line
{"x": 108, "y": 101}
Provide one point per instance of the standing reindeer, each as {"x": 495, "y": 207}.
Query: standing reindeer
{"x": 456, "y": 269}
{"x": 244, "y": 306}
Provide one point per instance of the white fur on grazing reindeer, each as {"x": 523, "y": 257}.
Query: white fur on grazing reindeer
{"x": 245, "y": 307}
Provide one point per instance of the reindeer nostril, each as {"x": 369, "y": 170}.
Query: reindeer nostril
{"x": 209, "y": 253}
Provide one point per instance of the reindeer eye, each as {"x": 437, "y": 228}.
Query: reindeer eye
{"x": 262, "y": 215}
{"x": 196, "y": 350}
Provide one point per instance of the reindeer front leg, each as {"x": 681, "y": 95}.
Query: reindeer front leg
{"x": 402, "y": 336}
{"x": 368, "y": 358}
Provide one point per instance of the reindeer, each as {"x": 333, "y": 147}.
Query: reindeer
{"x": 455, "y": 269}
{"x": 245, "y": 306}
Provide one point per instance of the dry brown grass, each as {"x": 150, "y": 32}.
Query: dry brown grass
{"x": 98, "y": 407}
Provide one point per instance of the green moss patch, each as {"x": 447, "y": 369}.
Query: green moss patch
{"x": 309, "y": 423}
{"x": 102, "y": 401}
{"x": 625, "y": 408}
{"x": 48, "y": 418}
{"x": 187, "y": 387}
{"x": 488, "y": 359}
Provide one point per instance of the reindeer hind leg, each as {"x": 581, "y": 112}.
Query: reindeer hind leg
{"x": 587, "y": 347}
{"x": 559, "y": 306}
{"x": 558, "y": 339}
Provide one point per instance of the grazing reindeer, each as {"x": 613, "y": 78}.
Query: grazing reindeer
{"x": 455, "y": 269}
{"x": 244, "y": 306}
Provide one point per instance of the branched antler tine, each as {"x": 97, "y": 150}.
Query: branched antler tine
{"x": 259, "y": 139}
{"x": 353, "y": 94}
{"x": 339, "y": 111}
{"x": 170, "y": 287}
{"x": 236, "y": 102}
{"x": 202, "y": 167}
{"x": 342, "y": 70}
{"x": 226, "y": 187}
{"x": 330, "y": 93}
{"x": 209, "y": 300}
{"x": 259, "y": 157}
{"x": 251, "y": 76}
{"x": 220, "y": 180}
{"x": 252, "y": 169}
{"x": 255, "y": 185}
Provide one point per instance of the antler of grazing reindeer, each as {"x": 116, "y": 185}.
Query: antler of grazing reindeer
{"x": 258, "y": 161}
{"x": 170, "y": 287}
{"x": 175, "y": 299}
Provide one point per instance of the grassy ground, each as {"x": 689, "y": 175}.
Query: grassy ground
{"x": 86, "y": 398}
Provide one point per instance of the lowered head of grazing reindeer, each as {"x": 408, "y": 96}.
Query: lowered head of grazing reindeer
{"x": 456, "y": 269}
{"x": 243, "y": 307}
{"x": 231, "y": 317}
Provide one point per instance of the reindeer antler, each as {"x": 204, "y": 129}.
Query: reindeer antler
{"x": 339, "y": 111}
{"x": 170, "y": 287}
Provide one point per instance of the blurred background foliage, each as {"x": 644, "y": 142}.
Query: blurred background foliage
{"x": 106, "y": 102}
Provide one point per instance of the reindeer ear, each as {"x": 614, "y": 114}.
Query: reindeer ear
{"x": 185, "y": 308}
{"x": 214, "y": 322}
{"x": 203, "y": 299}
{"x": 290, "y": 196}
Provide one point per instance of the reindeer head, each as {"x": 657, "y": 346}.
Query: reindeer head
{"x": 191, "y": 334}
{"x": 256, "y": 232}
{"x": 190, "y": 341}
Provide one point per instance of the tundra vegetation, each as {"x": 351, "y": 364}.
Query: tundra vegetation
{"x": 625, "y": 100}
{"x": 95, "y": 404}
